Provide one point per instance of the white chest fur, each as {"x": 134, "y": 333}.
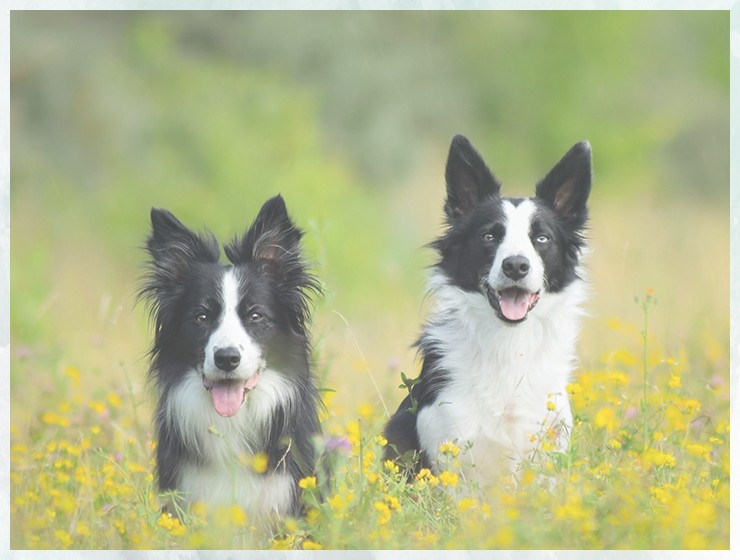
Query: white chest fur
{"x": 228, "y": 444}
{"x": 500, "y": 377}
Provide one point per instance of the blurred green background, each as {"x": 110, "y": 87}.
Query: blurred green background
{"x": 349, "y": 115}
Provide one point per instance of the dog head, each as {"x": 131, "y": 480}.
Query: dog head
{"x": 513, "y": 251}
{"x": 226, "y": 322}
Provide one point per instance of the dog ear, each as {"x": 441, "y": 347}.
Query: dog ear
{"x": 174, "y": 248}
{"x": 272, "y": 239}
{"x": 468, "y": 179}
{"x": 567, "y": 186}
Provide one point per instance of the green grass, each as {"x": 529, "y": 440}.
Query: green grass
{"x": 210, "y": 114}
{"x": 648, "y": 467}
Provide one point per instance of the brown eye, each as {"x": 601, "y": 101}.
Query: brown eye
{"x": 255, "y": 316}
{"x": 488, "y": 237}
{"x": 201, "y": 318}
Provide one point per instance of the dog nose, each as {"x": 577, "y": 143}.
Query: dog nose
{"x": 227, "y": 359}
{"x": 516, "y": 267}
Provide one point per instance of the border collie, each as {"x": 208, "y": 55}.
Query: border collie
{"x": 499, "y": 347}
{"x": 230, "y": 362}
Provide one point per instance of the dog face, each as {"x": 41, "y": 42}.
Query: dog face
{"x": 225, "y": 321}
{"x": 513, "y": 251}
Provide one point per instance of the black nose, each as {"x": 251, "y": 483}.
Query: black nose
{"x": 227, "y": 359}
{"x": 515, "y": 267}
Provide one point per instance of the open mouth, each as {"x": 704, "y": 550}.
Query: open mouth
{"x": 228, "y": 394}
{"x": 512, "y": 304}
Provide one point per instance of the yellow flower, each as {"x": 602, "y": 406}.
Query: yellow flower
{"x": 655, "y": 458}
{"x": 449, "y": 448}
{"x": 466, "y": 503}
{"x": 171, "y": 525}
{"x": 384, "y": 511}
{"x": 339, "y": 502}
{"x": 365, "y": 410}
{"x": 574, "y": 388}
{"x": 74, "y": 374}
{"x": 237, "y": 516}
{"x": 392, "y": 501}
{"x": 98, "y": 407}
{"x": 618, "y": 378}
{"x": 308, "y": 482}
{"x": 699, "y": 450}
{"x": 64, "y": 538}
{"x": 692, "y": 405}
{"x": 390, "y": 466}
{"x": 381, "y": 441}
{"x": 308, "y": 544}
{"x": 550, "y": 405}
{"x": 605, "y": 418}
{"x": 54, "y": 419}
{"x": 424, "y": 477}
{"x": 353, "y": 433}
{"x": 260, "y": 462}
{"x": 114, "y": 400}
{"x": 674, "y": 382}
{"x": 448, "y": 478}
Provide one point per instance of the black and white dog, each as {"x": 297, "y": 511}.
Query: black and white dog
{"x": 230, "y": 362}
{"x": 499, "y": 347}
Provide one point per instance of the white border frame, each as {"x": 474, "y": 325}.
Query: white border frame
{"x": 724, "y": 5}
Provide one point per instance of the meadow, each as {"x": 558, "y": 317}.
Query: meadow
{"x": 648, "y": 465}
{"x": 147, "y": 123}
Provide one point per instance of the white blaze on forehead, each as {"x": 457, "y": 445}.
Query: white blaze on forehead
{"x": 517, "y": 242}
{"x": 230, "y": 332}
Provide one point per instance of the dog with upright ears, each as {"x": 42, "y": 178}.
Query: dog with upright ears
{"x": 499, "y": 347}
{"x": 231, "y": 363}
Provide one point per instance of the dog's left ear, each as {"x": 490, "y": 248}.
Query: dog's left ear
{"x": 271, "y": 239}
{"x": 567, "y": 186}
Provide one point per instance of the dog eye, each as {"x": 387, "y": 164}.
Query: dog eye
{"x": 255, "y": 316}
{"x": 201, "y": 318}
{"x": 488, "y": 237}
{"x": 542, "y": 239}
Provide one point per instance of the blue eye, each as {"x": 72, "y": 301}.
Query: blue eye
{"x": 542, "y": 239}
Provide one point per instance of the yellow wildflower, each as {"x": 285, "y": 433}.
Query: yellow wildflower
{"x": 448, "y": 478}
{"x": 605, "y": 418}
{"x": 171, "y": 525}
{"x": 64, "y": 538}
{"x": 449, "y": 448}
{"x": 384, "y": 511}
{"x": 466, "y": 503}
{"x": 308, "y": 482}
{"x": 260, "y": 462}
{"x": 237, "y": 516}
{"x": 114, "y": 400}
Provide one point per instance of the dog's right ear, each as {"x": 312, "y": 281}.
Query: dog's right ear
{"x": 468, "y": 180}
{"x": 174, "y": 249}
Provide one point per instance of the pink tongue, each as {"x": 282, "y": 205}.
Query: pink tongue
{"x": 514, "y": 304}
{"x": 227, "y": 398}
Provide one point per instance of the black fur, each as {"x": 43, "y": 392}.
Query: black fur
{"x": 473, "y": 210}
{"x": 182, "y": 281}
